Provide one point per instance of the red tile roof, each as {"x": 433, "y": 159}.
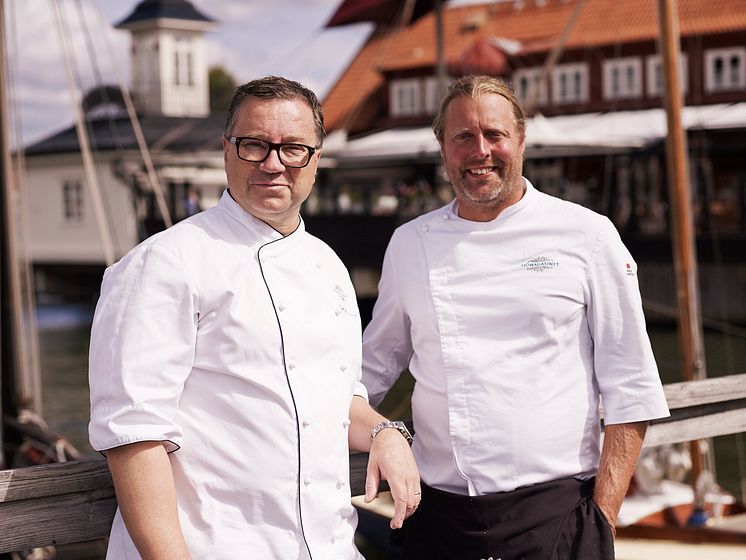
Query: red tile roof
{"x": 481, "y": 57}
{"x": 601, "y": 22}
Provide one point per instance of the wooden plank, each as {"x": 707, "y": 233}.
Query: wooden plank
{"x": 62, "y": 519}
{"x": 75, "y": 501}
{"x": 693, "y": 535}
{"x": 717, "y": 389}
{"x": 698, "y": 427}
{"x": 54, "y": 480}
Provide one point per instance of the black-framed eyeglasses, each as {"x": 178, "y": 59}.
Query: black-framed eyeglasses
{"x": 256, "y": 151}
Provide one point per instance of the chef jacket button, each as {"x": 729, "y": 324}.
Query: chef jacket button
{"x": 317, "y": 264}
{"x": 346, "y": 422}
{"x": 291, "y": 365}
{"x": 307, "y": 481}
{"x": 333, "y": 539}
{"x": 446, "y": 216}
{"x": 306, "y": 423}
{"x": 340, "y": 483}
{"x": 425, "y": 228}
{"x": 343, "y": 367}
{"x": 338, "y": 311}
{"x": 281, "y": 307}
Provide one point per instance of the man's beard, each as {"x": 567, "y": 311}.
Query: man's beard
{"x": 499, "y": 189}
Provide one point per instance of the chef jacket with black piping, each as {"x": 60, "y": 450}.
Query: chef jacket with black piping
{"x": 240, "y": 350}
{"x": 512, "y": 329}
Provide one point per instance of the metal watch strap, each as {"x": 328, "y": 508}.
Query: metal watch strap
{"x": 396, "y": 425}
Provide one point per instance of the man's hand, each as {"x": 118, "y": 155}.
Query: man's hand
{"x": 391, "y": 459}
{"x": 622, "y": 443}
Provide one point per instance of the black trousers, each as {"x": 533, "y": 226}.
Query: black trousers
{"x": 555, "y": 520}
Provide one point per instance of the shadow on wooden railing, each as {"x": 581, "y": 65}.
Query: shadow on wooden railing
{"x": 74, "y": 502}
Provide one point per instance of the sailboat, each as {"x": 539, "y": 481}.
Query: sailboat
{"x": 708, "y": 500}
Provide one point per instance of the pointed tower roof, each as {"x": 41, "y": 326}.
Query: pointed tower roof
{"x": 148, "y": 12}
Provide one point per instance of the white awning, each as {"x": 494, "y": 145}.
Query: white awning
{"x": 566, "y": 135}
{"x": 392, "y": 143}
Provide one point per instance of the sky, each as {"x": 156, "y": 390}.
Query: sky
{"x": 253, "y": 38}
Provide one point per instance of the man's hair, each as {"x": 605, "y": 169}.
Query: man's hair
{"x": 474, "y": 86}
{"x": 276, "y": 87}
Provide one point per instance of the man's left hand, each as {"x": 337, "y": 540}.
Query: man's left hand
{"x": 622, "y": 444}
{"x": 391, "y": 459}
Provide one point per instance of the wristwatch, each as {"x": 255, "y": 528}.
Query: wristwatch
{"x": 396, "y": 425}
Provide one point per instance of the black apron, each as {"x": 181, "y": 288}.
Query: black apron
{"x": 555, "y": 520}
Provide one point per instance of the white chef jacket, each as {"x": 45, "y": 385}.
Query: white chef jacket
{"x": 511, "y": 328}
{"x": 240, "y": 348}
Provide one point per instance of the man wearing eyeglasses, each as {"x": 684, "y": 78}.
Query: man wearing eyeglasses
{"x": 225, "y": 365}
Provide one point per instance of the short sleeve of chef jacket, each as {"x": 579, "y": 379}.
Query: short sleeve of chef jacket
{"x": 624, "y": 364}
{"x": 142, "y": 349}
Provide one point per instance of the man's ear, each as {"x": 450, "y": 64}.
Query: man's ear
{"x": 226, "y": 147}
{"x": 317, "y": 155}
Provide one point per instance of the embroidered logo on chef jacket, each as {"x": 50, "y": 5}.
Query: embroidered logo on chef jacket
{"x": 630, "y": 270}
{"x": 540, "y": 264}
{"x": 347, "y": 303}
{"x": 340, "y": 293}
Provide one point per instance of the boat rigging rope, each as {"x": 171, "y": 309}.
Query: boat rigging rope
{"x": 100, "y": 87}
{"x": 155, "y": 182}
{"x": 29, "y": 342}
{"x": 85, "y": 148}
{"x": 88, "y": 124}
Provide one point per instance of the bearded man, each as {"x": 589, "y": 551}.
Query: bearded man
{"x": 516, "y": 312}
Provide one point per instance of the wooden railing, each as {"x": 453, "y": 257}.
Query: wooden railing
{"x": 74, "y": 502}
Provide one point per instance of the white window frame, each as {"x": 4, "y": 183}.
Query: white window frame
{"x": 73, "y": 201}
{"x": 432, "y": 99}
{"x": 629, "y": 72}
{"x": 730, "y": 81}
{"x": 525, "y": 82}
{"x": 406, "y": 97}
{"x": 572, "y": 94}
{"x": 654, "y": 75}
{"x": 183, "y": 60}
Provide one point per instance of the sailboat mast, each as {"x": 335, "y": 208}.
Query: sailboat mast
{"x": 683, "y": 237}
{"x": 10, "y": 295}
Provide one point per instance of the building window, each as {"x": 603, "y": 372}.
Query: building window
{"x": 406, "y": 97}
{"x": 183, "y": 74}
{"x": 431, "y": 95}
{"x": 622, "y": 78}
{"x": 655, "y": 75}
{"x": 570, "y": 83}
{"x": 530, "y": 85}
{"x": 725, "y": 69}
{"x": 72, "y": 201}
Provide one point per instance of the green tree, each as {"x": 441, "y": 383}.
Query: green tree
{"x": 221, "y": 84}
